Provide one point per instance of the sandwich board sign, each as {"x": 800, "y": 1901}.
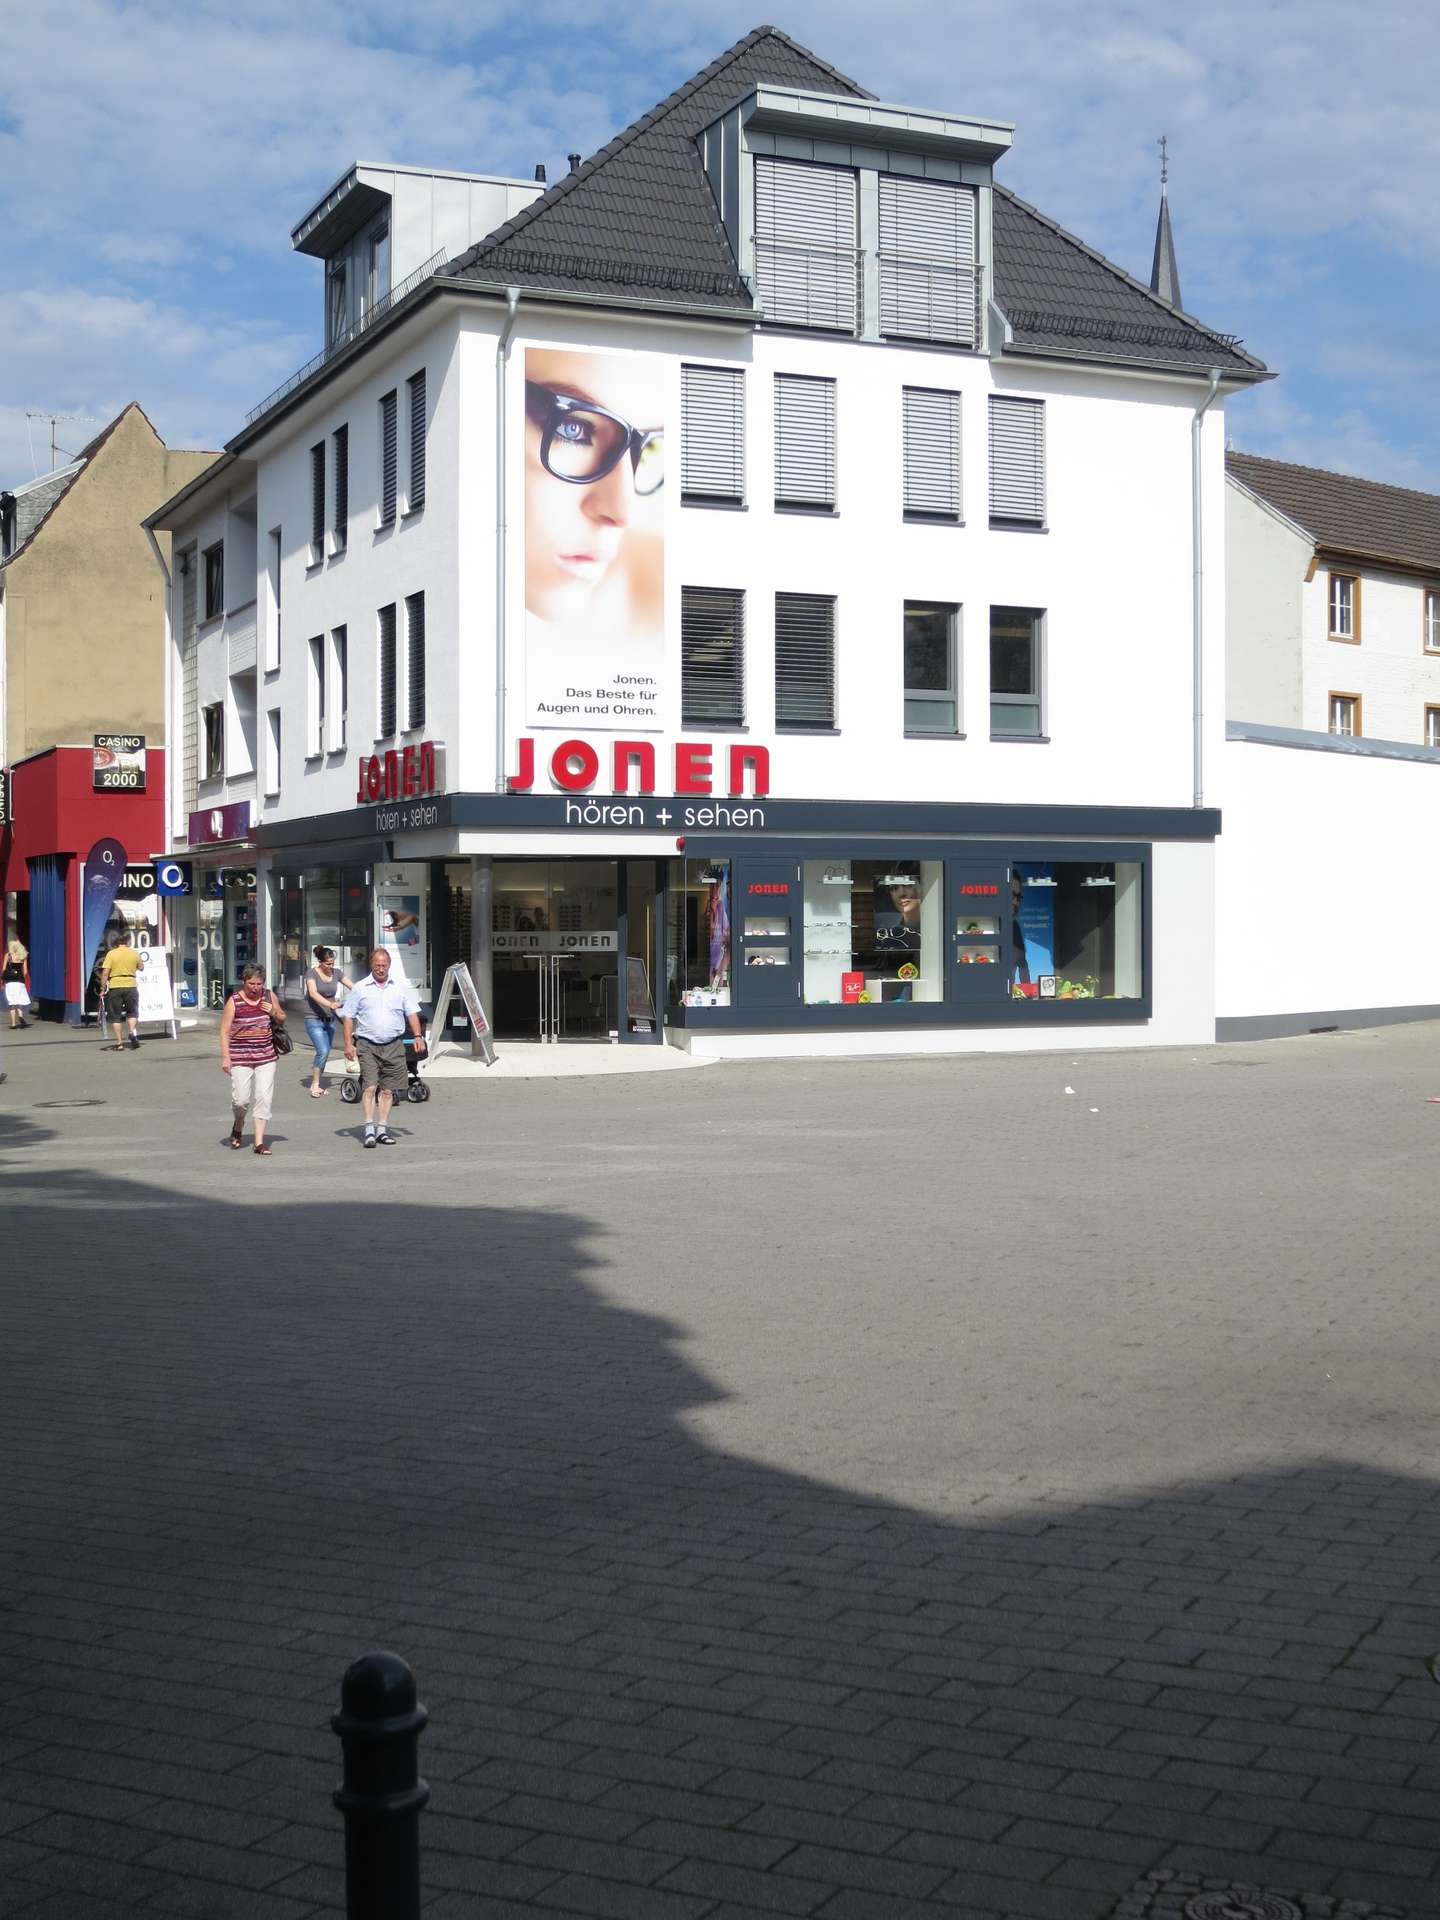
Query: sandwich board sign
{"x": 458, "y": 980}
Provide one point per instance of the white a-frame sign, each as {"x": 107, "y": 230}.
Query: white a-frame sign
{"x": 457, "y": 980}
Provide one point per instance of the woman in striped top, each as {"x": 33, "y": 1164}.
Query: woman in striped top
{"x": 247, "y": 1053}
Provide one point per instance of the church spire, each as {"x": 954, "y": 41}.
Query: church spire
{"x": 1164, "y": 274}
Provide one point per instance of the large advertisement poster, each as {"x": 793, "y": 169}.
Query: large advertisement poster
{"x": 401, "y": 895}
{"x": 594, "y": 540}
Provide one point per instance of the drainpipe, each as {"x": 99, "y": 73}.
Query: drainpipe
{"x": 502, "y": 359}
{"x": 1197, "y": 612}
{"x": 170, "y": 728}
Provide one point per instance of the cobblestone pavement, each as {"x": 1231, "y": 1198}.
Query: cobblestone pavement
{"x": 883, "y": 1489}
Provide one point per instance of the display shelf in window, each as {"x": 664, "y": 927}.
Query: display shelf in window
{"x": 769, "y": 928}
{"x": 981, "y": 926}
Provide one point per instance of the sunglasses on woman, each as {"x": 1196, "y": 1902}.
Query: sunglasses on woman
{"x": 580, "y": 443}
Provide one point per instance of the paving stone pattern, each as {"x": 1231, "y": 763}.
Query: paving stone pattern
{"x": 849, "y": 1490}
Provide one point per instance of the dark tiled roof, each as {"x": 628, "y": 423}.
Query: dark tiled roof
{"x": 1060, "y": 296}
{"x": 638, "y": 221}
{"x": 1362, "y": 517}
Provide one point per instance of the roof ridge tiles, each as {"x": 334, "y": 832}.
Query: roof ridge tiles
{"x": 587, "y": 169}
{"x": 1162, "y": 307}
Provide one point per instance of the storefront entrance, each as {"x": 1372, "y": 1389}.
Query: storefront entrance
{"x": 555, "y": 945}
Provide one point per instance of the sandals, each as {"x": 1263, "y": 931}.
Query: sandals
{"x": 237, "y": 1138}
{"x": 318, "y": 1093}
{"x": 264, "y": 1152}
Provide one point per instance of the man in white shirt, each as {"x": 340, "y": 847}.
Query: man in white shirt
{"x": 376, "y": 1012}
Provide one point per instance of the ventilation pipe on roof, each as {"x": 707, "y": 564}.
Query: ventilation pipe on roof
{"x": 1197, "y": 610}
{"x": 574, "y": 160}
{"x": 540, "y": 173}
{"x": 502, "y": 361}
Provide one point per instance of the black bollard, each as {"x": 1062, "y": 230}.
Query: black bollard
{"x": 379, "y": 1725}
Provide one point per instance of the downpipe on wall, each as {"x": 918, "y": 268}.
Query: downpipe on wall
{"x": 1197, "y": 611}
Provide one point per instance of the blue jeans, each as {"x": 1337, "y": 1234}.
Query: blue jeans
{"x": 322, "y": 1037}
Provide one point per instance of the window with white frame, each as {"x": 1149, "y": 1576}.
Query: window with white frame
{"x": 804, "y": 441}
{"x": 1017, "y": 461}
{"x": 1016, "y": 666}
{"x": 272, "y": 755}
{"x": 1344, "y": 607}
{"x": 1432, "y": 726}
{"x": 340, "y": 474}
{"x": 274, "y": 552}
{"x": 712, "y": 656}
{"x": 212, "y": 729}
{"x": 929, "y": 282}
{"x": 317, "y": 504}
{"x": 804, "y": 660}
{"x": 807, "y": 263}
{"x": 415, "y": 393}
{"x": 414, "y": 661}
{"x": 338, "y": 702}
{"x": 389, "y": 457}
{"x": 932, "y": 700}
{"x": 1345, "y": 715}
{"x": 1431, "y": 617}
{"x": 315, "y": 698}
{"x": 930, "y": 434}
{"x": 712, "y": 435}
{"x": 215, "y": 581}
{"x": 385, "y": 672}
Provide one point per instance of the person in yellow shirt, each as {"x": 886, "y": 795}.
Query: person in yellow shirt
{"x": 119, "y": 972}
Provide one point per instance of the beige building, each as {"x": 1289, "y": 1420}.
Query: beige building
{"x": 82, "y": 653}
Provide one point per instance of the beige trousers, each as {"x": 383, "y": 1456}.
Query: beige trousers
{"x": 252, "y": 1086}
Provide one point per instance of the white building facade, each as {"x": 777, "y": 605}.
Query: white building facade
{"x": 748, "y": 599}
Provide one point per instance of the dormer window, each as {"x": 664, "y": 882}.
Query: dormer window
{"x": 807, "y": 261}
{"x": 929, "y": 283}
{"x": 337, "y": 302}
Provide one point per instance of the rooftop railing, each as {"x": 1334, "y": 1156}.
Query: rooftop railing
{"x": 370, "y": 318}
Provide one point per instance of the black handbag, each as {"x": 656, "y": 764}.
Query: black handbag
{"x": 283, "y": 1043}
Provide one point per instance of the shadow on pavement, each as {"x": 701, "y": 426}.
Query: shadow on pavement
{"x": 663, "y": 1681}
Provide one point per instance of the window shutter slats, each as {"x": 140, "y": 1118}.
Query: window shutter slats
{"x": 417, "y": 440}
{"x": 317, "y": 501}
{"x": 1017, "y": 459}
{"x": 806, "y": 223}
{"x": 712, "y": 656}
{"x": 712, "y": 446}
{"x": 804, "y": 441}
{"x": 388, "y": 459}
{"x": 385, "y": 720}
{"x": 342, "y": 485}
{"x": 414, "y": 660}
{"x": 927, "y": 260}
{"x": 931, "y": 435}
{"x": 804, "y": 660}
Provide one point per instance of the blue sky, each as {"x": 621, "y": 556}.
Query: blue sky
{"x": 154, "y": 156}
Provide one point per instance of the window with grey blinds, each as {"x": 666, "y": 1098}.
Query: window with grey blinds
{"x": 928, "y": 281}
{"x": 712, "y": 439}
{"x": 712, "y": 656}
{"x": 1017, "y": 460}
{"x": 388, "y": 459}
{"x": 804, "y": 441}
{"x": 341, "y": 441}
{"x": 416, "y": 387}
{"x": 931, "y": 436}
{"x": 385, "y": 677}
{"x": 806, "y": 263}
{"x": 414, "y": 660}
{"x": 317, "y": 502}
{"x": 804, "y": 660}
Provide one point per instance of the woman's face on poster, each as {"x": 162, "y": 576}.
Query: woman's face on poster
{"x": 578, "y": 410}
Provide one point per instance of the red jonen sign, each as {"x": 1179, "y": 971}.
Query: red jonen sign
{"x": 575, "y": 767}
{"x": 396, "y": 775}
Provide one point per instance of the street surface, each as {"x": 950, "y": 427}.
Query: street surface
{"x": 879, "y": 1489}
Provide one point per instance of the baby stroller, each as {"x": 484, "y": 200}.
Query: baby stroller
{"x": 416, "y": 1092}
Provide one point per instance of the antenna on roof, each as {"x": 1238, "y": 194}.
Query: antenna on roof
{"x": 39, "y": 413}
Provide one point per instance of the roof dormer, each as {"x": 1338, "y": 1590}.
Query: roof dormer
{"x": 851, "y": 216}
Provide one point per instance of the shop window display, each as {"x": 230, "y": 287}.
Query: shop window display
{"x": 699, "y": 935}
{"x": 1075, "y": 930}
{"x": 873, "y": 932}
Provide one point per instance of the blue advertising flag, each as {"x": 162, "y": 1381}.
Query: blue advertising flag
{"x": 104, "y": 870}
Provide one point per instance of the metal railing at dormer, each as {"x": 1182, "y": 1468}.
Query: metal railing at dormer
{"x": 371, "y": 317}
{"x": 927, "y": 300}
{"x": 801, "y": 286}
